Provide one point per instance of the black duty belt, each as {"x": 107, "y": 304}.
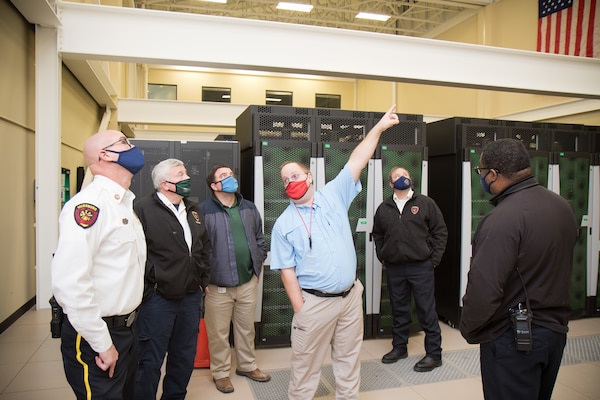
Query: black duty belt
{"x": 320, "y": 293}
{"x": 119, "y": 321}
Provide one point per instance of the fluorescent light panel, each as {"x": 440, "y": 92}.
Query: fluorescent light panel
{"x": 375, "y": 17}
{"x": 216, "y": 1}
{"x": 294, "y": 6}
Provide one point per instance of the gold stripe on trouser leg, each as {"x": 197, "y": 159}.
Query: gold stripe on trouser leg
{"x": 86, "y": 376}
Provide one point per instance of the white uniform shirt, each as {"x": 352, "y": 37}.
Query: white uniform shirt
{"x": 400, "y": 203}
{"x": 181, "y": 214}
{"x": 98, "y": 268}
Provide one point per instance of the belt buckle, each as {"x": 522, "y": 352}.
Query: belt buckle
{"x": 130, "y": 318}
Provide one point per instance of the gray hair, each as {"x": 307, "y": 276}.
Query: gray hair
{"x": 160, "y": 172}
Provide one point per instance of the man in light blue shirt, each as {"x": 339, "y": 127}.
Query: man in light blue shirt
{"x": 312, "y": 245}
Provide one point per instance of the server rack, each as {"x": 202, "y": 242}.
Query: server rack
{"x": 269, "y": 136}
{"x": 401, "y": 145}
{"x": 593, "y": 224}
{"x": 571, "y": 146}
{"x": 198, "y": 157}
{"x": 455, "y": 146}
{"x": 338, "y": 133}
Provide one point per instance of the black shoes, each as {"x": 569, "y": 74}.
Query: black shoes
{"x": 427, "y": 364}
{"x": 394, "y": 356}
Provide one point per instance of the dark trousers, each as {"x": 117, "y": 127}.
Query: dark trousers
{"x": 167, "y": 326}
{"x": 86, "y": 379}
{"x": 510, "y": 374}
{"x": 418, "y": 279}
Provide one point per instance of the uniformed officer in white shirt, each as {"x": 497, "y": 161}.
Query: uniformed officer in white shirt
{"x": 98, "y": 270}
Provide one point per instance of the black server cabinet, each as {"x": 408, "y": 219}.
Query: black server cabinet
{"x": 269, "y": 136}
{"x": 571, "y": 145}
{"x": 593, "y": 299}
{"x": 401, "y": 145}
{"x": 414, "y": 159}
{"x": 338, "y": 133}
{"x": 198, "y": 157}
{"x": 455, "y": 146}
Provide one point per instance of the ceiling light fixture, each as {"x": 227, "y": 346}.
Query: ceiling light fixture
{"x": 374, "y": 17}
{"x": 294, "y": 6}
{"x": 216, "y": 1}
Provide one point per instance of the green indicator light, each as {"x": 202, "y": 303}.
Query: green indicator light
{"x": 383, "y": 147}
{"x": 472, "y": 151}
{"x": 327, "y": 145}
{"x": 562, "y": 154}
{"x": 265, "y": 143}
{"x": 363, "y": 222}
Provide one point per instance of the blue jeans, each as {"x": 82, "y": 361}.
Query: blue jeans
{"x": 510, "y": 374}
{"x": 163, "y": 326}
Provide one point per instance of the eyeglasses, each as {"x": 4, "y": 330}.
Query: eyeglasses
{"x": 478, "y": 169}
{"x": 122, "y": 140}
{"x": 293, "y": 178}
{"x": 223, "y": 176}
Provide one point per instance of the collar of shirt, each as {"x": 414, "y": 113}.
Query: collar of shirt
{"x": 176, "y": 211}
{"x": 400, "y": 203}
{"x": 119, "y": 193}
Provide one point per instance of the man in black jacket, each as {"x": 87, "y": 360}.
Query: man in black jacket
{"x": 177, "y": 270}
{"x": 410, "y": 237}
{"x": 522, "y": 256}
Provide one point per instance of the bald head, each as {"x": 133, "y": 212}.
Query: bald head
{"x": 96, "y": 142}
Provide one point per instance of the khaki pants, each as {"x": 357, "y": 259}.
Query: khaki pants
{"x": 225, "y": 305}
{"x": 320, "y": 322}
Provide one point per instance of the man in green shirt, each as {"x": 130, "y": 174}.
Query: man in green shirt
{"x": 238, "y": 250}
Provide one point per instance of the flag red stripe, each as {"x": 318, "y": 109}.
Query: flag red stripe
{"x": 557, "y": 33}
{"x": 579, "y": 28}
{"x": 548, "y": 31}
{"x": 568, "y": 30}
{"x": 589, "y": 51}
{"x": 539, "y": 34}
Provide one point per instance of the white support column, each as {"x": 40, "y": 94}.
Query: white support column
{"x": 47, "y": 149}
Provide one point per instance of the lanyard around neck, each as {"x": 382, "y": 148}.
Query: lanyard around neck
{"x": 309, "y": 227}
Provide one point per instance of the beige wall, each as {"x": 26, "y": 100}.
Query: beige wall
{"x": 80, "y": 118}
{"x": 17, "y": 141}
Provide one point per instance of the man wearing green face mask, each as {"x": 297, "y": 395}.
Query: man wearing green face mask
{"x": 176, "y": 274}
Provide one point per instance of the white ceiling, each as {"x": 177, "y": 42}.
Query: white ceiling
{"x": 417, "y": 18}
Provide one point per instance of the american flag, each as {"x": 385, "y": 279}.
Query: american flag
{"x": 570, "y": 27}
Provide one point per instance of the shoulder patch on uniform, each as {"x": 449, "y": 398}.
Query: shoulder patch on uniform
{"x": 196, "y": 217}
{"x": 86, "y": 214}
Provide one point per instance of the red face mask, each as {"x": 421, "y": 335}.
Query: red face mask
{"x": 295, "y": 190}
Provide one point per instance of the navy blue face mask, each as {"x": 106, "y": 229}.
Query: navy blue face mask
{"x": 402, "y": 183}
{"x": 132, "y": 159}
{"x": 484, "y": 184}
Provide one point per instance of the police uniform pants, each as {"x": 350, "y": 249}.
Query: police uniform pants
{"x": 167, "y": 326}
{"x": 87, "y": 380}
{"x": 508, "y": 374}
{"x": 225, "y": 306}
{"x": 418, "y": 279}
{"x": 323, "y": 322}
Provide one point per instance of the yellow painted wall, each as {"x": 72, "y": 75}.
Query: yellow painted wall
{"x": 17, "y": 141}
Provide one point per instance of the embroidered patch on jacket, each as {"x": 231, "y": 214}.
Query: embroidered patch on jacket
{"x": 86, "y": 214}
{"x": 414, "y": 210}
{"x": 196, "y": 217}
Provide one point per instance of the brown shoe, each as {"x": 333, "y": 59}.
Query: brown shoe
{"x": 223, "y": 385}
{"x": 256, "y": 375}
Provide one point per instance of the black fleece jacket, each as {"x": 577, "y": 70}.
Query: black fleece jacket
{"x": 172, "y": 270}
{"x": 531, "y": 228}
{"x": 419, "y": 234}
